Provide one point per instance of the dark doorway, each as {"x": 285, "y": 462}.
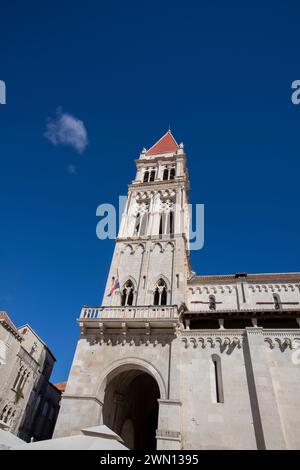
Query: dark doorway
{"x": 131, "y": 408}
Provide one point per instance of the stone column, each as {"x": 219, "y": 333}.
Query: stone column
{"x": 180, "y": 162}
{"x": 156, "y": 215}
{"x": 124, "y": 218}
{"x": 178, "y": 212}
{"x": 266, "y": 418}
{"x": 160, "y": 172}
{"x": 151, "y": 213}
{"x": 169, "y": 416}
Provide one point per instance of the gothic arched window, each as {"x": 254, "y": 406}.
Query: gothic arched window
{"x": 212, "y": 302}
{"x": 172, "y": 173}
{"x": 146, "y": 176}
{"x": 3, "y": 414}
{"x": 127, "y": 293}
{"x": 160, "y": 293}
{"x": 7, "y": 415}
{"x": 12, "y": 416}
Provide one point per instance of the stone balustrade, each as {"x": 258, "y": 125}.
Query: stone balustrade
{"x": 130, "y": 312}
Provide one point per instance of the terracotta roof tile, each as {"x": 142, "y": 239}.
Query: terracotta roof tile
{"x": 261, "y": 277}
{"x": 165, "y": 144}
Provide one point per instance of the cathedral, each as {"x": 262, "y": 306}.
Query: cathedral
{"x": 174, "y": 360}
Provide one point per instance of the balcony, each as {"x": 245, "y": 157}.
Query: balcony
{"x": 132, "y": 316}
{"x": 129, "y": 312}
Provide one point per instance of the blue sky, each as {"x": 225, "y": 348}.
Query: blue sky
{"x": 219, "y": 73}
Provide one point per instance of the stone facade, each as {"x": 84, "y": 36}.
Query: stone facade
{"x": 171, "y": 360}
{"x": 29, "y": 403}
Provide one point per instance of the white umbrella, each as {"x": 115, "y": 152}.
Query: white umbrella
{"x": 8, "y": 440}
{"x": 91, "y": 438}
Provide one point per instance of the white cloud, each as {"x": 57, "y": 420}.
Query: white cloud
{"x": 66, "y": 129}
{"x": 72, "y": 169}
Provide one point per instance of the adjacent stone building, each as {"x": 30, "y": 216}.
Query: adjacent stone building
{"x": 29, "y": 403}
{"x": 173, "y": 360}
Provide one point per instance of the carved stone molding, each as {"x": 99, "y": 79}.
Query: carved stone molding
{"x": 283, "y": 342}
{"x": 211, "y": 341}
{"x": 132, "y": 340}
{"x": 272, "y": 287}
{"x": 211, "y": 289}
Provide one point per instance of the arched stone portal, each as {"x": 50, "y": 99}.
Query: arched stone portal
{"x": 131, "y": 408}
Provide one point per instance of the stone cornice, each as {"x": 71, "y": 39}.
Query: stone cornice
{"x": 212, "y": 332}
{"x": 151, "y": 160}
{"x": 160, "y": 185}
{"x": 246, "y": 313}
{"x": 153, "y": 238}
{"x": 81, "y": 397}
{"x": 280, "y": 332}
{"x": 249, "y": 278}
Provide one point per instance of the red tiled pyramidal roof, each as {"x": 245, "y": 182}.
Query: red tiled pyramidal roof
{"x": 165, "y": 144}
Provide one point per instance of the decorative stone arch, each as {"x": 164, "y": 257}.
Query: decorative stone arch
{"x": 8, "y": 413}
{"x": 170, "y": 245}
{"x": 130, "y": 248}
{"x": 130, "y": 363}
{"x": 157, "y": 244}
{"x": 130, "y": 391}
{"x": 161, "y": 294}
{"x": 140, "y": 246}
{"x": 164, "y": 278}
{"x": 129, "y": 278}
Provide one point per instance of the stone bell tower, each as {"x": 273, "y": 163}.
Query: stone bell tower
{"x": 150, "y": 256}
{"x": 173, "y": 360}
{"x": 124, "y": 372}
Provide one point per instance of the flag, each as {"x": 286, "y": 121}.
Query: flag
{"x": 115, "y": 286}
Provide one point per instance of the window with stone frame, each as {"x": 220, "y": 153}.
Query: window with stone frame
{"x": 277, "y": 302}
{"x": 218, "y": 391}
{"x": 169, "y": 173}
{"x": 160, "y": 293}
{"x": 212, "y": 302}
{"x": 141, "y": 218}
{"x": 167, "y": 216}
{"x": 7, "y": 415}
{"x": 127, "y": 293}
{"x": 149, "y": 175}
